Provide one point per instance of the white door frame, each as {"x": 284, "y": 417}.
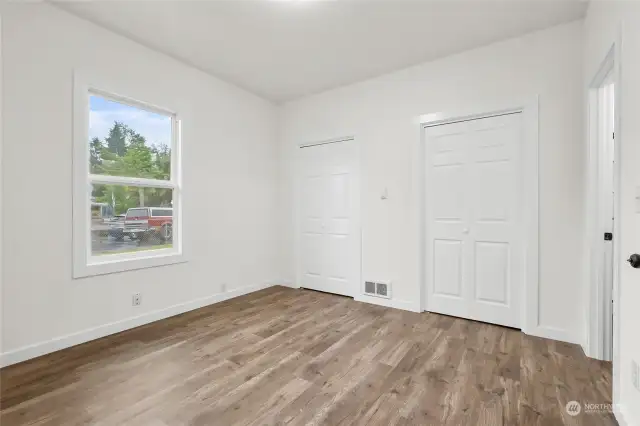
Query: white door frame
{"x": 356, "y": 290}
{"x": 529, "y": 153}
{"x": 1, "y": 193}
{"x": 599, "y": 334}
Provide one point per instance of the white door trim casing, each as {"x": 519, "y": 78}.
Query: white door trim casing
{"x": 356, "y": 217}
{"x": 1, "y": 192}
{"x": 529, "y": 153}
{"x": 595, "y": 338}
{"x": 597, "y": 333}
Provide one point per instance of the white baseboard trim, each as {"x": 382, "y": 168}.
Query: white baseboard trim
{"x": 389, "y": 303}
{"x": 622, "y": 415}
{"x": 287, "y": 283}
{"x": 554, "y": 333}
{"x": 380, "y": 301}
{"x": 63, "y": 342}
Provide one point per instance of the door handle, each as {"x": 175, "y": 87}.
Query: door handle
{"x": 634, "y": 260}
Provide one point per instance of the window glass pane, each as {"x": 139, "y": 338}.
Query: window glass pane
{"x": 136, "y": 213}
{"x": 128, "y": 141}
{"x": 161, "y": 212}
{"x": 121, "y": 221}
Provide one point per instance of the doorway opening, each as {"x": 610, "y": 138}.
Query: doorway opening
{"x": 603, "y": 210}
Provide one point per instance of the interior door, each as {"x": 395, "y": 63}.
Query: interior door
{"x": 474, "y": 252}
{"x": 329, "y": 227}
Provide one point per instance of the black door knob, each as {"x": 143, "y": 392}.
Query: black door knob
{"x": 634, "y": 260}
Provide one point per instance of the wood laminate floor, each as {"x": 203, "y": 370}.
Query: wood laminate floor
{"x": 285, "y": 356}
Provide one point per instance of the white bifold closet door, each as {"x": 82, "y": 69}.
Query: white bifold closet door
{"x": 473, "y": 243}
{"x": 329, "y": 237}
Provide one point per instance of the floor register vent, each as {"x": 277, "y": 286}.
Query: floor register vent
{"x": 379, "y": 289}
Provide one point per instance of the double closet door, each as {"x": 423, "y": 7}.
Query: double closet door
{"x": 329, "y": 234}
{"x": 474, "y": 251}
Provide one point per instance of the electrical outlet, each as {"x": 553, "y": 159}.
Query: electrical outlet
{"x": 635, "y": 374}
{"x": 223, "y": 287}
{"x": 136, "y": 300}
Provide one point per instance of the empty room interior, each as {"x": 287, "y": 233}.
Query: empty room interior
{"x": 320, "y": 212}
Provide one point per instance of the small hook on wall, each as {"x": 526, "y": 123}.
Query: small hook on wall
{"x": 385, "y": 194}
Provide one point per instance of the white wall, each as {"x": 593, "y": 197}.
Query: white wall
{"x": 382, "y": 113}
{"x": 230, "y": 180}
{"x": 605, "y": 24}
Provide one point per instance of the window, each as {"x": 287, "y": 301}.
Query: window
{"x": 137, "y": 214}
{"x": 127, "y": 165}
{"x": 161, "y": 212}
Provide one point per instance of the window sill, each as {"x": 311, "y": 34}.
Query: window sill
{"x": 127, "y": 262}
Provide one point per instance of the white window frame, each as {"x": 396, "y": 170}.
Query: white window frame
{"x": 84, "y": 263}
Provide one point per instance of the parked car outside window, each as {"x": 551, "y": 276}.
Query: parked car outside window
{"x": 147, "y": 223}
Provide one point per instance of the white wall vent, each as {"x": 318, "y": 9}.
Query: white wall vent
{"x": 379, "y": 289}
{"x": 370, "y": 288}
{"x": 382, "y": 289}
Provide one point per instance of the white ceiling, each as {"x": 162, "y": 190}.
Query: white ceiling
{"x": 282, "y": 50}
